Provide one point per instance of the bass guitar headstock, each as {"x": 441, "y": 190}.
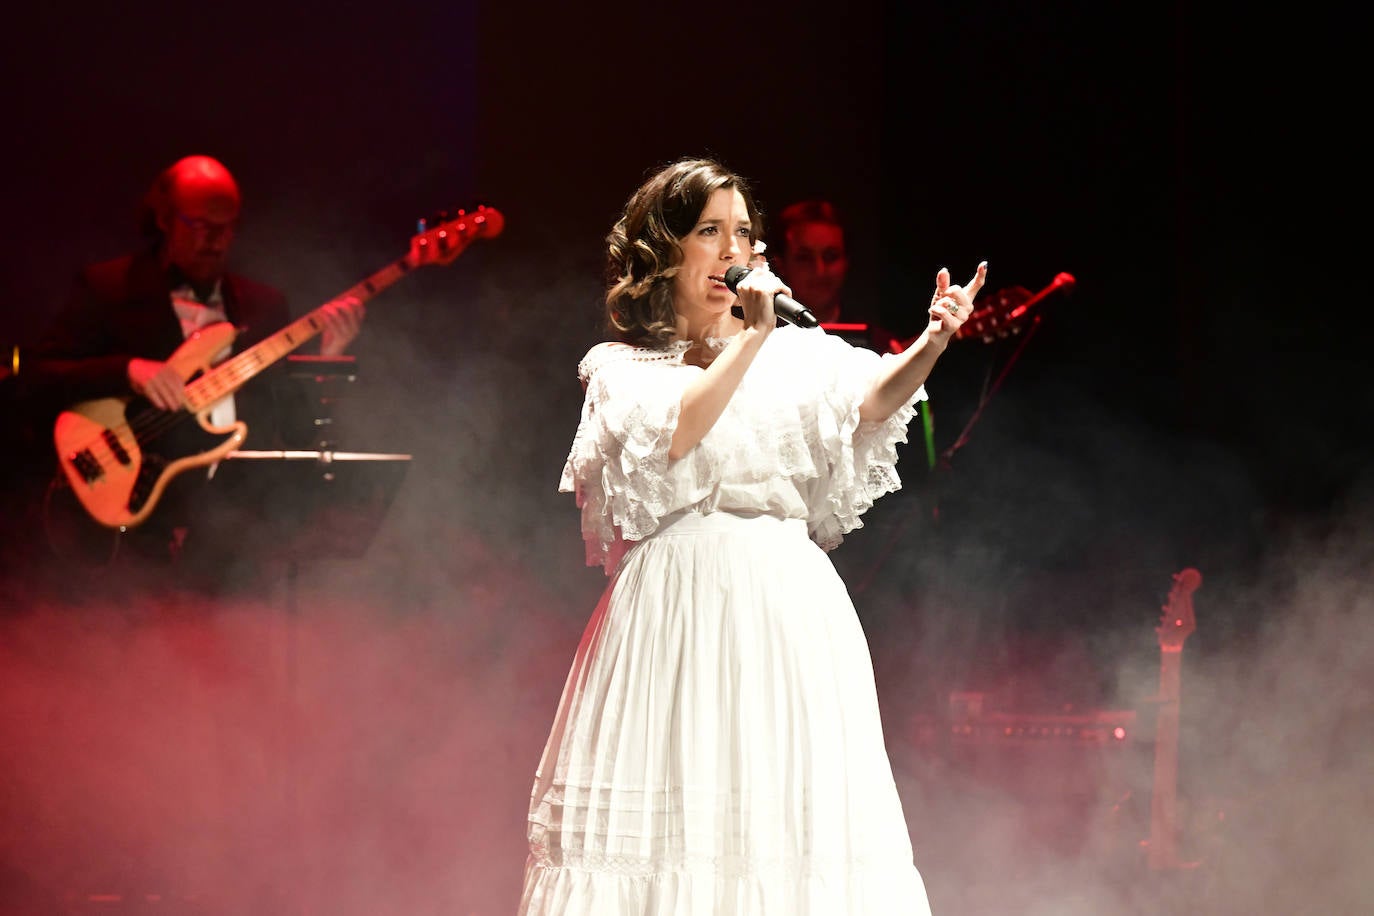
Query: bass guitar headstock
{"x": 445, "y": 236}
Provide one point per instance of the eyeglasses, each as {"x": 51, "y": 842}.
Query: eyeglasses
{"x": 206, "y": 227}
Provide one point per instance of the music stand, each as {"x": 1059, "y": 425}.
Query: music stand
{"x": 295, "y": 505}
{"x": 298, "y": 504}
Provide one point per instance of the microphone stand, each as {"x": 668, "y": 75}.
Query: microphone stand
{"x": 945, "y": 461}
{"x": 946, "y": 457}
{"x": 1060, "y": 281}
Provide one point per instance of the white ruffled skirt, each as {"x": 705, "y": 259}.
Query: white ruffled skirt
{"x": 718, "y": 750}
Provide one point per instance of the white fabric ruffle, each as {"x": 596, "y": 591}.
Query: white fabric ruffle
{"x": 789, "y": 443}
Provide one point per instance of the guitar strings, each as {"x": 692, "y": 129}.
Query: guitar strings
{"x": 206, "y": 388}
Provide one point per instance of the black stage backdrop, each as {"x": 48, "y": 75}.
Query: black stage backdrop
{"x": 360, "y": 734}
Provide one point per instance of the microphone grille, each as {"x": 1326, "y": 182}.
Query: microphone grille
{"x": 733, "y": 274}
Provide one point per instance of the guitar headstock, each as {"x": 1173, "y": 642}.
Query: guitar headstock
{"x": 445, "y": 236}
{"x": 1005, "y": 313}
{"x": 1177, "y": 623}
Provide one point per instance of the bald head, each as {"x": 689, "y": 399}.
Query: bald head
{"x": 197, "y": 206}
{"x": 202, "y": 181}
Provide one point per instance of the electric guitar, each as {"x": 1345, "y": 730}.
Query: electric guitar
{"x": 1175, "y": 625}
{"x": 112, "y": 451}
{"x": 1008, "y": 310}
{"x": 998, "y": 316}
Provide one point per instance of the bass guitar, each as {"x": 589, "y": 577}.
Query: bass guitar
{"x": 112, "y": 451}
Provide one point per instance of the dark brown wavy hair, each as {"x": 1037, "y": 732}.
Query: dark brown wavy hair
{"x": 643, "y": 253}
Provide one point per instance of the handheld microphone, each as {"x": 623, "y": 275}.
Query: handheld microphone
{"x": 784, "y": 306}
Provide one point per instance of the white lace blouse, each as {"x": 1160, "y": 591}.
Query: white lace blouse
{"x": 790, "y": 442}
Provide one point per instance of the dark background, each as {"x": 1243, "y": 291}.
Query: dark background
{"x": 1197, "y": 400}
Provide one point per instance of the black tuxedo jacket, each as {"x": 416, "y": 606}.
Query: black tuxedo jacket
{"x": 120, "y": 310}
